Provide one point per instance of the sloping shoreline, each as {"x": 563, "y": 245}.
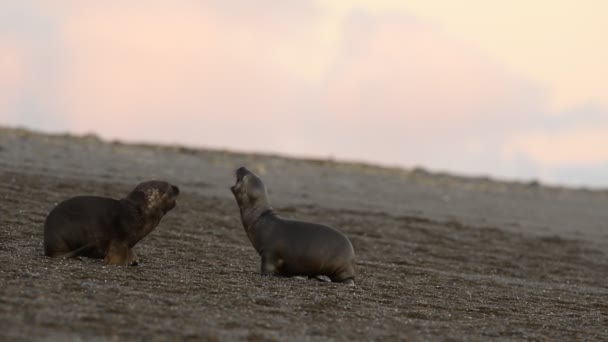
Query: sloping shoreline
{"x": 519, "y": 206}
{"x": 437, "y": 256}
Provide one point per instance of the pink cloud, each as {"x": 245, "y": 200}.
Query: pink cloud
{"x": 12, "y": 75}
{"x": 415, "y": 95}
{"x": 580, "y": 145}
{"x": 141, "y": 70}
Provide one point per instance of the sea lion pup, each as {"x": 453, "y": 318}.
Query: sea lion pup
{"x": 289, "y": 247}
{"x": 105, "y": 228}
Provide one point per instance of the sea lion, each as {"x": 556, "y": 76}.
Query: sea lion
{"x": 105, "y": 228}
{"x": 289, "y": 247}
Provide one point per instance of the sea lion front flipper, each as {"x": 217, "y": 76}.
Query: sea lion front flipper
{"x": 270, "y": 265}
{"x": 118, "y": 254}
{"x": 132, "y": 259}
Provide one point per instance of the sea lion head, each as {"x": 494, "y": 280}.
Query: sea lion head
{"x": 249, "y": 190}
{"x": 154, "y": 196}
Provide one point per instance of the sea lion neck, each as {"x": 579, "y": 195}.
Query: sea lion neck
{"x": 250, "y": 215}
{"x": 140, "y": 221}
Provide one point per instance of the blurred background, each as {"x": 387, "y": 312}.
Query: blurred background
{"x": 513, "y": 90}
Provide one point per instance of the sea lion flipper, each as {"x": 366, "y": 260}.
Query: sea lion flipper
{"x": 345, "y": 275}
{"x": 118, "y": 254}
{"x": 132, "y": 259}
{"x": 75, "y": 253}
{"x": 323, "y": 278}
{"x": 268, "y": 266}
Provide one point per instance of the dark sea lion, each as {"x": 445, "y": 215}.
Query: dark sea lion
{"x": 102, "y": 227}
{"x": 289, "y": 247}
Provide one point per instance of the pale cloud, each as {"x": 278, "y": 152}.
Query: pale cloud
{"x": 13, "y": 75}
{"x": 414, "y": 95}
{"x": 396, "y": 65}
{"x": 578, "y": 146}
{"x": 558, "y": 44}
{"x": 186, "y": 73}
{"x": 573, "y": 139}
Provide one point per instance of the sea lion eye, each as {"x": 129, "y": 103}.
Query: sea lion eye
{"x": 241, "y": 172}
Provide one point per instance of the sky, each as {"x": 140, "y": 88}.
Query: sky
{"x": 513, "y": 90}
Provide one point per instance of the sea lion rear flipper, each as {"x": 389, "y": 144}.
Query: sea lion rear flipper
{"x": 76, "y": 252}
{"x": 323, "y": 278}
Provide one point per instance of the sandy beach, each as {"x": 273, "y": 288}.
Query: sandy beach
{"x": 438, "y": 256}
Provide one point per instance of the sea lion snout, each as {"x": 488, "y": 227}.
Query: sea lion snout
{"x": 241, "y": 172}
{"x": 249, "y": 189}
{"x": 170, "y": 197}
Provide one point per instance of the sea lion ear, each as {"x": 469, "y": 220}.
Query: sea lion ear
{"x": 138, "y": 197}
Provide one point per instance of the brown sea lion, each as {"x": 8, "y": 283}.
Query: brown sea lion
{"x": 289, "y": 247}
{"x": 105, "y": 228}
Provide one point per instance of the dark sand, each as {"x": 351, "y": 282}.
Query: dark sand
{"x": 438, "y": 256}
